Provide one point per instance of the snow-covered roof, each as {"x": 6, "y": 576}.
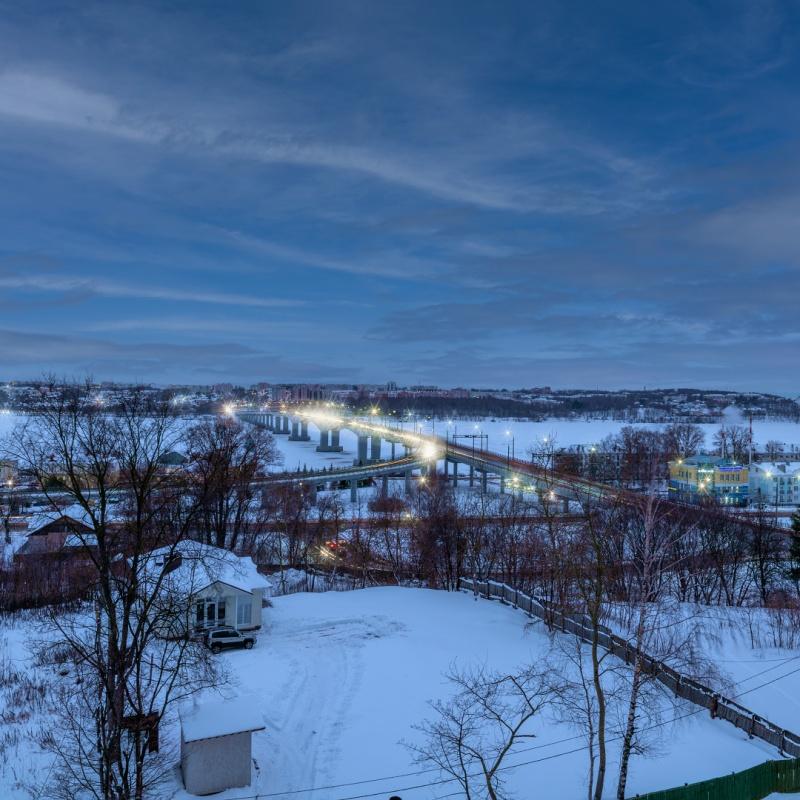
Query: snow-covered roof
{"x": 73, "y": 512}
{"x": 202, "y": 565}
{"x": 777, "y": 467}
{"x": 221, "y": 718}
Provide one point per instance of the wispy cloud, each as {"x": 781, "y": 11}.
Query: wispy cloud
{"x": 110, "y": 288}
{"x": 467, "y": 174}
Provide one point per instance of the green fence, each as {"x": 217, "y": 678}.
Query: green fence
{"x": 750, "y": 784}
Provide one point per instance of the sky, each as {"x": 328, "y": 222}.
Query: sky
{"x": 574, "y": 194}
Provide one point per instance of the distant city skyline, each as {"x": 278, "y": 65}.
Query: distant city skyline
{"x": 460, "y": 194}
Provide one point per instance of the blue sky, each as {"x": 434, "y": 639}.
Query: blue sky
{"x": 483, "y": 194}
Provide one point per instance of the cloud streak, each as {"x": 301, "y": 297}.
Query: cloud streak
{"x": 110, "y": 288}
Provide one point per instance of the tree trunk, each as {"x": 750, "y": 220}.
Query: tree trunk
{"x": 630, "y": 729}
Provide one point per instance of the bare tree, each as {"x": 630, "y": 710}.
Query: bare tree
{"x": 682, "y": 439}
{"x": 9, "y": 506}
{"x": 226, "y": 460}
{"x": 774, "y": 449}
{"x": 649, "y": 534}
{"x": 582, "y": 693}
{"x": 768, "y": 549}
{"x": 438, "y": 533}
{"x": 130, "y": 677}
{"x": 732, "y": 441}
{"x": 596, "y": 565}
{"x": 473, "y": 733}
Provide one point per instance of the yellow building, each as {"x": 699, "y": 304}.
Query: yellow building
{"x": 699, "y": 477}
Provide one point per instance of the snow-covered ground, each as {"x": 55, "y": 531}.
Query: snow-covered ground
{"x": 341, "y": 678}
{"x": 763, "y": 678}
{"x": 568, "y": 432}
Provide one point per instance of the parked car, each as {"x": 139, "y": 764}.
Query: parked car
{"x": 218, "y": 639}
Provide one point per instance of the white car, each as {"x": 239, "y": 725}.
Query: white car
{"x": 218, "y": 639}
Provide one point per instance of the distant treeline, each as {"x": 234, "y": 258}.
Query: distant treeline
{"x": 457, "y": 407}
{"x": 653, "y": 406}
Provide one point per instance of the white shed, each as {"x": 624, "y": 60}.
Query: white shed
{"x": 216, "y": 747}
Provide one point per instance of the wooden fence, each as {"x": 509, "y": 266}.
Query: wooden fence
{"x": 755, "y": 783}
{"x": 718, "y": 705}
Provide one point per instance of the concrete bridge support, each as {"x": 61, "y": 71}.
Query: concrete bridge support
{"x": 471, "y": 475}
{"x": 353, "y": 490}
{"x": 329, "y": 441}
{"x": 502, "y": 484}
{"x": 375, "y": 448}
{"x": 299, "y": 431}
{"x": 363, "y": 442}
{"x": 455, "y": 474}
{"x": 393, "y": 446}
{"x": 407, "y": 481}
{"x": 385, "y": 486}
{"x": 484, "y": 481}
{"x": 281, "y": 424}
{"x": 565, "y": 505}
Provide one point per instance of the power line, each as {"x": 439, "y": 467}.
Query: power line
{"x": 442, "y": 781}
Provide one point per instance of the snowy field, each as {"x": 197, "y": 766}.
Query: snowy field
{"x": 568, "y": 432}
{"x": 763, "y": 678}
{"x": 342, "y": 678}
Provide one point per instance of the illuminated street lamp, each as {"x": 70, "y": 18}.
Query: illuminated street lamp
{"x": 510, "y": 448}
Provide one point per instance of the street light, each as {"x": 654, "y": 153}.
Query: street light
{"x": 510, "y": 449}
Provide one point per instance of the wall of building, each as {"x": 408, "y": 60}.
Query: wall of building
{"x": 775, "y": 484}
{"x": 693, "y": 479}
{"x": 233, "y": 597}
{"x": 213, "y": 765}
{"x": 735, "y": 484}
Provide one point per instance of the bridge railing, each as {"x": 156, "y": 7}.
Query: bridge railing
{"x": 377, "y": 468}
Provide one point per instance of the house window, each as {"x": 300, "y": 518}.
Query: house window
{"x": 210, "y": 611}
{"x": 244, "y": 612}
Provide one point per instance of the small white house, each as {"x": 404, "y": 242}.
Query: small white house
{"x": 216, "y": 744}
{"x": 775, "y": 483}
{"x": 217, "y": 586}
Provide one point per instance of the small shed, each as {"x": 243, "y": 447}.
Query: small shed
{"x": 216, "y": 746}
